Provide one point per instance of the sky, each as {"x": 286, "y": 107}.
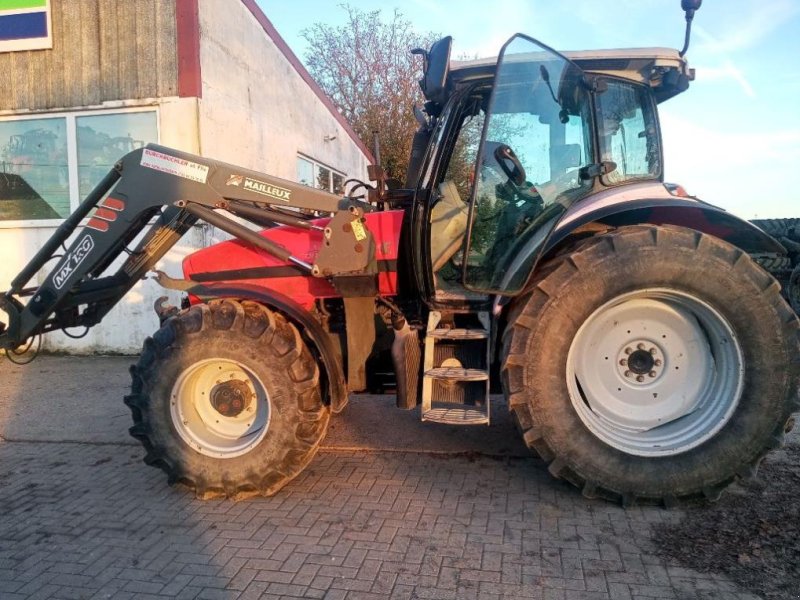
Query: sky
{"x": 733, "y": 139}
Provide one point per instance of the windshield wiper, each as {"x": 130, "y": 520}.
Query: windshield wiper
{"x": 563, "y": 115}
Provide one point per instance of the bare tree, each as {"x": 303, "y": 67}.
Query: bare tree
{"x": 368, "y": 71}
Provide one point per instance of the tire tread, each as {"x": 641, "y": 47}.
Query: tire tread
{"x": 557, "y": 273}
{"x": 257, "y": 322}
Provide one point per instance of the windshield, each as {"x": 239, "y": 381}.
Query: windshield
{"x": 537, "y": 136}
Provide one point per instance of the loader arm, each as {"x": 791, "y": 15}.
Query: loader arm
{"x": 159, "y": 193}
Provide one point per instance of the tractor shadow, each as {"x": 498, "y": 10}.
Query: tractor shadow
{"x": 373, "y": 422}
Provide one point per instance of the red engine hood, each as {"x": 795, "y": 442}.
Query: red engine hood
{"x": 234, "y": 261}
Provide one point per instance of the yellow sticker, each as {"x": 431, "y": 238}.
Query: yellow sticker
{"x": 358, "y": 230}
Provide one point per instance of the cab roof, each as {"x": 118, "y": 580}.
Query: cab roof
{"x": 643, "y": 65}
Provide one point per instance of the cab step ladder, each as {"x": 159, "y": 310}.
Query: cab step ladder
{"x": 455, "y": 385}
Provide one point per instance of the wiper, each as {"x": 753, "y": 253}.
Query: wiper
{"x": 546, "y": 77}
{"x": 563, "y": 116}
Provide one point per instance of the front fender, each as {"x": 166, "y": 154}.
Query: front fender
{"x": 300, "y": 317}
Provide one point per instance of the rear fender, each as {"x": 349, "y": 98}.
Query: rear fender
{"x": 650, "y": 203}
{"x": 618, "y": 210}
{"x": 309, "y": 327}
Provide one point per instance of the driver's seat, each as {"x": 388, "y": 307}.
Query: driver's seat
{"x": 448, "y": 224}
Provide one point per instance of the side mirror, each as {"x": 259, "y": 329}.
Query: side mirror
{"x": 435, "y": 67}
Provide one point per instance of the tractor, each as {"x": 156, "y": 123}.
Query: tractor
{"x": 533, "y": 249}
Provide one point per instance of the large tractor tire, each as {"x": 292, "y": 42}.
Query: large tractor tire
{"x": 652, "y": 364}
{"x": 226, "y": 399}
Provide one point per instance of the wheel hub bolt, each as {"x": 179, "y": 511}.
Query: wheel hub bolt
{"x": 640, "y": 362}
{"x": 230, "y": 398}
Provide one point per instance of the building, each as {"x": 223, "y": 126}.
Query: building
{"x": 83, "y": 82}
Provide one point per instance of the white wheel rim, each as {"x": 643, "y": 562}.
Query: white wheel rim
{"x": 220, "y": 408}
{"x": 655, "y": 372}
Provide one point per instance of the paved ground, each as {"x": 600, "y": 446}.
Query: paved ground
{"x": 474, "y": 517}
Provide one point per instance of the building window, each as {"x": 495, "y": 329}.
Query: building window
{"x": 34, "y": 174}
{"x": 323, "y": 178}
{"x": 314, "y": 174}
{"x": 305, "y": 171}
{"x": 49, "y": 164}
{"x": 103, "y": 139}
{"x": 338, "y": 184}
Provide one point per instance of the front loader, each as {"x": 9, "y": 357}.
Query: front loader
{"x": 534, "y": 249}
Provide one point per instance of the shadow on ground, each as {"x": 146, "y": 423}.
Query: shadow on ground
{"x": 470, "y": 517}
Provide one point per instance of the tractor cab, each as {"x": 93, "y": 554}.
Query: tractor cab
{"x": 514, "y": 146}
{"x": 515, "y": 143}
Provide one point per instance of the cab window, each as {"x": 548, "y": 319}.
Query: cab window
{"x": 628, "y": 132}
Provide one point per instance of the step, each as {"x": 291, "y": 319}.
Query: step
{"x": 456, "y": 416}
{"x": 459, "y": 334}
{"x": 457, "y": 374}
{"x": 460, "y": 295}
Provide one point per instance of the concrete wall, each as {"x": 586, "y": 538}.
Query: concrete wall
{"x": 256, "y": 110}
{"x": 130, "y": 321}
{"x": 102, "y": 50}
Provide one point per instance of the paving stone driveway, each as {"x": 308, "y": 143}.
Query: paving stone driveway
{"x": 82, "y": 517}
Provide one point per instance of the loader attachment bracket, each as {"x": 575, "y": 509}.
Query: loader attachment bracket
{"x": 11, "y": 329}
{"x": 348, "y": 246}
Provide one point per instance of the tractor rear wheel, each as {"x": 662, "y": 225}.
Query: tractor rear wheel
{"x": 226, "y": 399}
{"x": 653, "y": 363}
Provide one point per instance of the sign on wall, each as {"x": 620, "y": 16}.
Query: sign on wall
{"x": 25, "y": 25}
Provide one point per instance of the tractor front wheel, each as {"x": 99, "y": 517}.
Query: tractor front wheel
{"x": 226, "y": 399}
{"x": 652, "y": 363}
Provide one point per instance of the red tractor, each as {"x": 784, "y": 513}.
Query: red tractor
{"x": 534, "y": 247}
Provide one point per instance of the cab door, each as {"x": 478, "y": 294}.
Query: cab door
{"x": 534, "y": 161}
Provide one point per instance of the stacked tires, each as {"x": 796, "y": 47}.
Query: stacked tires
{"x": 780, "y": 228}
{"x": 785, "y": 269}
